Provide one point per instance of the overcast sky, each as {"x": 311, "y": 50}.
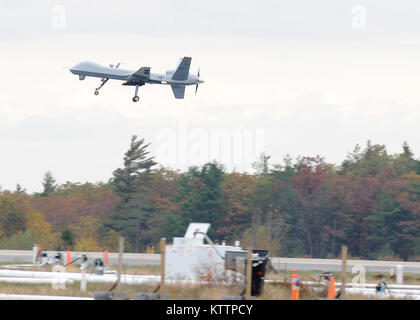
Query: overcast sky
{"x": 299, "y": 78}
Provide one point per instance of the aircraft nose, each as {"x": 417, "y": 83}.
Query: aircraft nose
{"x": 74, "y": 68}
{"x": 201, "y": 81}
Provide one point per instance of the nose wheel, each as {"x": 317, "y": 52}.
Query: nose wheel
{"x": 103, "y": 80}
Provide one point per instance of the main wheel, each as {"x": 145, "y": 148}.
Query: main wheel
{"x": 96, "y": 92}
{"x": 136, "y": 98}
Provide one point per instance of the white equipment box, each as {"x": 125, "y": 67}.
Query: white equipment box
{"x": 189, "y": 259}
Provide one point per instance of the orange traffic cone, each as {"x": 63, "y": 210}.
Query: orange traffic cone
{"x": 295, "y": 286}
{"x": 68, "y": 257}
{"x": 106, "y": 261}
{"x": 331, "y": 290}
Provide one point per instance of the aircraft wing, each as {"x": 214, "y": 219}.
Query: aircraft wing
{"x": 143, "y": 73}
{"x": 178, "y": 91}
{"x": 183, "y": 69}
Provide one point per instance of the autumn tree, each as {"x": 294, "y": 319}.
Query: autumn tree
{"x": 307, "y": 211}
{"x": 41, "y": 230}
{"x": 237, "y": 204}
{"x": 267, "y": 218}
{"x": 86, "y": 234}
{"x": 410, "y": 222}
{"x": 12, "y": 217}
{"x": 360, "y": 202}
{"x": 72, "y": 201}
{"x": 163, "y": 187}
{"x": 306, "y": 207}
{"x": 110, "y": 240}
{"x": 260, "y": 241}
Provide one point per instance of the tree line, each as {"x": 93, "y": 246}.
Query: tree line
{"x": 303, "y": 207}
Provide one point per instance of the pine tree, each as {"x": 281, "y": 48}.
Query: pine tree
{"x": 67, "y": 238}
{"x": 126, "y": 180}
{"x": 405, "y": 162}
{"x": 19, "y": 189}
{"x": 200, "y": 198}
{"x": 49, "y": 185}
{"x": 372, "y": 160}
{"x": 261, "y": 166}
{"x": 130, "y": 183}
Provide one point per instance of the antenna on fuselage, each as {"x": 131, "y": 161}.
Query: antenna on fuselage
{"x": 116, "y": 67}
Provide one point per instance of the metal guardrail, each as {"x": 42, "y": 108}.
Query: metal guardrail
{"x": 278, "y": 262}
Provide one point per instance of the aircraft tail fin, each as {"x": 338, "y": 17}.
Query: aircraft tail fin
{"x": 178, "y": 91}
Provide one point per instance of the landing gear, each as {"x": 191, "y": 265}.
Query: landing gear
{"x": 136, "y": 97}
{"x": 104, "y": 80}
{"x": 137, "y": 84}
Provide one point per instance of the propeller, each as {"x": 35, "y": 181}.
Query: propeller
{"x": 198, "y": 76}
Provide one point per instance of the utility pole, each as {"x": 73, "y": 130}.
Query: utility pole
{"x": 343, "y": 269}
{"x": 162, "y": 266}
{"x": 249, "y": 274}
{"x": 120, "y": 259}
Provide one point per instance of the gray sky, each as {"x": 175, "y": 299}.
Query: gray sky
{"x": 298, "y": 78}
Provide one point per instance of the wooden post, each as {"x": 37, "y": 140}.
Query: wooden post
{"x": 343, "y": 269}
{"x": 249, "y": 274}
{"x": 120, "y": 258}
{"x": 162, "y": 266}
{"x": 285, "y": 273}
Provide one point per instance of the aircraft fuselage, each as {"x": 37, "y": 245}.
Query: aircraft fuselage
{"x": 178, "y": 79}
{"x": 91, "y": 69}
